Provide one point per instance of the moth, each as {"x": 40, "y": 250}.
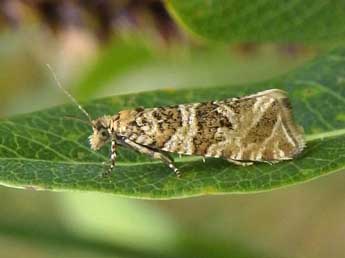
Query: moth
{"x": 254, "y": 128}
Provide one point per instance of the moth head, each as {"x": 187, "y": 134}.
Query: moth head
{"x": 101, "y": 132}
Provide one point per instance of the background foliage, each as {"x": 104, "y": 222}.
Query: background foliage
{"x": 127, "y": 47}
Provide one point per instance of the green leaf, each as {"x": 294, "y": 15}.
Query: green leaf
{"x": 49, "y": 150}
{"x": 258, "y": 20}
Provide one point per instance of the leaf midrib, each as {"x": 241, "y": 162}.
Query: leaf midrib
{"x": 309, "y": 138}
{"x": 320, "y": 136}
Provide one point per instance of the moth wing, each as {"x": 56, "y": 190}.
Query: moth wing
{"x": 266, "y": 130}
{"x": 258, "y": 127}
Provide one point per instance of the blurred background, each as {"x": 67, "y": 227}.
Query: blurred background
{"x": 101, "y": 48}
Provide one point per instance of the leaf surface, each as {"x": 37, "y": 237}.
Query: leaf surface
{"x": 260, "y": 20}
{"x": 49, "y": 149}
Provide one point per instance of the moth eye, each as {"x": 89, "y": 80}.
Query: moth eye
{"x": 104, "y": 134}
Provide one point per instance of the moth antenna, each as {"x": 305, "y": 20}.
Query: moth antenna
{"x": 68, "y": 94}
{"x": 77, "y": 119}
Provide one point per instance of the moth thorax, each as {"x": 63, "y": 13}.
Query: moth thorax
{"x": 125, "y": 119}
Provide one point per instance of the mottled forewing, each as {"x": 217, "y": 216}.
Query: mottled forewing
{"x": 263, "y": 129}
{"x": 258, "y": 127}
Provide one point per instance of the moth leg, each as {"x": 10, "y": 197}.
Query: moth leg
{"x": 240, "y": 163}
{"x": 270, "y": 162}
{"x": 154, "y": 154}
{"x": 112, "y": 158}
